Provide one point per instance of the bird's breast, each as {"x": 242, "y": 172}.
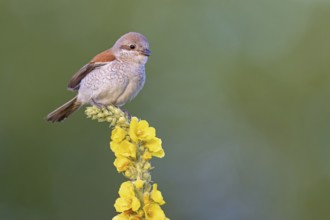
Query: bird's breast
{"x": 115, "y": 83}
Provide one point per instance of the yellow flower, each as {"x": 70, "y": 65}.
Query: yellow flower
{"x": 118, "y": 134}
{"x": 154, "y": 145}
{"x": 135, "y": 204}
{"x": 122, "y": 163}
{"x": 154, "y": 212}
{"x": 126, "y": 190}
{"x": 114, "y": 146}
{"x": 146, "y": 198}
{"x": 147, "y": 155}
{"x": 121, "y": 216}
{"x": 124, "y": 204}
{"x": 140, "y": 130}
{"x": 124, "y": 149}
{"x": 135, "y": 218}
{"x": 126, "y": 216}
{"x": 139, "y": 183}
{"x": 156, "y": 195}
{"x": 159, "y": 154}
{"x": 127, "y": 198}
{"x": 134, "y": 143}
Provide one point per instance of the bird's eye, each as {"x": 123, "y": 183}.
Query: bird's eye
{"x": 132, "y": 46}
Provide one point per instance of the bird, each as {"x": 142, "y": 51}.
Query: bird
{"x": 113, "y": 77}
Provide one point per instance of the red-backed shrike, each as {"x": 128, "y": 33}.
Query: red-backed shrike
{"x": 112, "y": 77}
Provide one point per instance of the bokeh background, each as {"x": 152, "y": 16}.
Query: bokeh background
{"x": 238, "y": 91}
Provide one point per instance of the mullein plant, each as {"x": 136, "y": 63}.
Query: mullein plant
{"x": 134, "y": 143}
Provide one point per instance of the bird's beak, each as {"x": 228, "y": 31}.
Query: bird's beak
{"x": 146, "y": 52}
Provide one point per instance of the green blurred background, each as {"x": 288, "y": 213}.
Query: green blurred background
{"x": 237, "y": 90}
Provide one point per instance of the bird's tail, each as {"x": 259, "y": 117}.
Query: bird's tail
{"x": 64, "y": 111}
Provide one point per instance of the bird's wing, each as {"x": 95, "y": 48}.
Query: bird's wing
{"x": 99, "y": 60}
{"x": 78, "y": 76}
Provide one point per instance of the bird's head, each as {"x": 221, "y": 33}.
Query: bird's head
{"x": 132, "y": 47}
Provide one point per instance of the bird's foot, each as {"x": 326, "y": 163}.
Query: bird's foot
{"x": 128, "y": 115}
{"x": 98, "y": 105}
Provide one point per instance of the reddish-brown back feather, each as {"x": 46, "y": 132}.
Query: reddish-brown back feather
{"x": 105, "y": 56}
